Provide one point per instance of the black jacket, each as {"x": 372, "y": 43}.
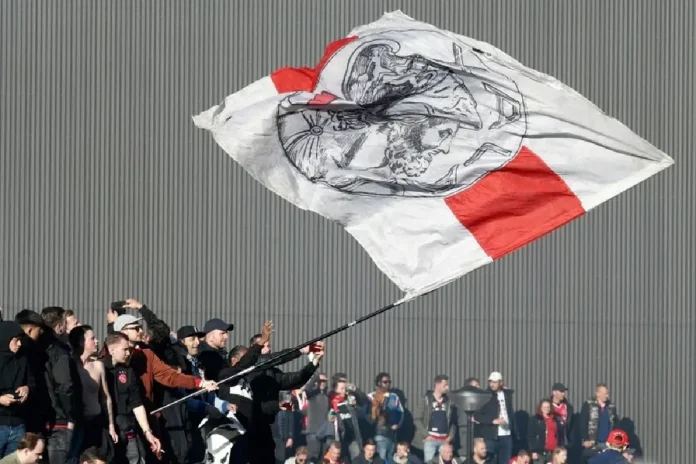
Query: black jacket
{"x": 239, "y": 392}
{"x": 213, "y": 360}
{"x": 124, "y": 387}
{"x": 485, "y": 428}
{"x": 536, "y": 434}
{"x": 14, "y": 373}
{"x": 62, "y": 382}
{"x": 39, "y": 401}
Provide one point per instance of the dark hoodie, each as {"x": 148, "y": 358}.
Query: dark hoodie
{"x": 14, "y": 373}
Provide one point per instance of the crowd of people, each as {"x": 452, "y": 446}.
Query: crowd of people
{"x": 65, "y": 400}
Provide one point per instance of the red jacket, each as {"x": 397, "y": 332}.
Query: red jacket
{"x": 151, "y": 369}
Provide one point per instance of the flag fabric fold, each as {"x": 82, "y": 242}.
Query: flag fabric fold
{"x": 437, "y": 152}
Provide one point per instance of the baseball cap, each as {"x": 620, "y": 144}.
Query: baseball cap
{"x": 558, "y": 386}
{"x": 217, "y": 324}
{"x": 617, "y": 437}
{"x": 124, "y": 320}
{"x": 29, "y": 317}
{"x": 495, "y": 377}
{"x": 189, "y": 331}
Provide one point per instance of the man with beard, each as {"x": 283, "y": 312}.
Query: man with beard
{"x": 258, "y": 397}
{"x": 64, "y": 427}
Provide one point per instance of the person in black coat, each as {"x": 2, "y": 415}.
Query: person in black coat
{"x": 16, "y": 383}
{"x": 256, "y": 397}
{"x": 39, "y": 402}
{"x": 63, "y": 435}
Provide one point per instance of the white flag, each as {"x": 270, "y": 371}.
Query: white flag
{"x": 437, "y": 152}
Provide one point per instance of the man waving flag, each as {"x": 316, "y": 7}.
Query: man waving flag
{"x": 437, "y": 152}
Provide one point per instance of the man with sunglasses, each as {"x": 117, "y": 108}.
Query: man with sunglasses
{"x": 149, "y": 367}
{"x": 387, "y": 413}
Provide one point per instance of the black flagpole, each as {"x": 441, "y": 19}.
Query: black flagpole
{"x": 273, "y": 361}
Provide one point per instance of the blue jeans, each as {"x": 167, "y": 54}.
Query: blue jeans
{"x": 431, "y": 448}
{"x": 500, "y": 449}
{"x": 385, "y": 448}
{"x": 9, "y": 437}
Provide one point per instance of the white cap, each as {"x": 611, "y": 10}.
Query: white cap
{"x": 125, "y": 319}
{"x": 495, "y": 377}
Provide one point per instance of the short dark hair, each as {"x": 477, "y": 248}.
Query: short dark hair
{"x": 234, "y": 352}
{"x": 52, "y": 316}
{"x": 120, "y": 310}
{"x": 369, "y": 442}
{"x": 254, "y": 339}
{"x": 523, "y": 454}
{"x": 76, "y": 337}
{"x": 470, "y": 380}
{"x": 69, "y": 312}
{"x": 29, "y": 441}
{"x": 335, "y": 444}
{"x": 380, "y": 376}
{"x": 404, "y": 443}
{"x": 441, "y": 378}
{"x": 115, "y": 338}
{"x": 91, "y": 455}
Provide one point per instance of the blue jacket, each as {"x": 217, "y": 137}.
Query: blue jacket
{"x": 608, "y": 456}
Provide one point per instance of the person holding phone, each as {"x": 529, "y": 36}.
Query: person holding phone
{"x": 14, "y": 387}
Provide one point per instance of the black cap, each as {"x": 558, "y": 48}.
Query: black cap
{"x": 217, "y": 324}
{"x": 559, "y": 387}
{"x": 29, "y": 317}
{"x": 189, "y": 331}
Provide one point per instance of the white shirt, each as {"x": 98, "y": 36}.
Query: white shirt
{"x": 503, "y": 430}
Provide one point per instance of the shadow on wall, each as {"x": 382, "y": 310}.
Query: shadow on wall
{"x": 522, "y": 424}
{"x": 408, "y": 427}
{"x": 628, "y": 426}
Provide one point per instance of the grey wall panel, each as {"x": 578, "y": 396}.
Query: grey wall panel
{"x": 109, "y": 191}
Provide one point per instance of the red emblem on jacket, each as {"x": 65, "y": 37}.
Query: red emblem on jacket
{"x": 122, "y": 377}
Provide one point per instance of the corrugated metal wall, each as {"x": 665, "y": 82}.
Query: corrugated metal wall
{"x": 108, "y": 191}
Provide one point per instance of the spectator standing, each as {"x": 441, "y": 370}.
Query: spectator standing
{"x": 16, "y": 384}
{"x": 387, "y": 415}
{"x": 65, "y": 419}
{"x": 344, "y": 420}
{"x": 284, "y": 428}
{"x": 563, "y": 410}
{"x": 317, "y": 413}
{"x": 129, "y": 409}
{"x": 39, "y": 401}
{"x": 71, "y": 320}
{"x": 597, "y": 417}
{"x": 437, "y": 418}
{"x": 496, "y": 420}
{"x": 544, "y": 432}
{"x": 99, "y": 427}
{"x": 29, "y": 450}
{"x": 212, "y": 351}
